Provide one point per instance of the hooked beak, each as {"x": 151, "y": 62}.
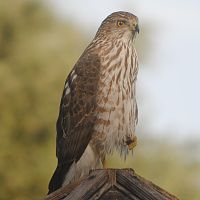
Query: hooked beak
{"x": 137, "y": 28}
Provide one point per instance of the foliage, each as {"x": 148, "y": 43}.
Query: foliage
{"x": 35, "y": 49}
{"x": 36, "y": 52}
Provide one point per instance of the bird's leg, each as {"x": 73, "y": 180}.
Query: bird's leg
{"x": 105, "y": 164}
{"x": 131, "y": 142}
{"x": 104, "y": 161}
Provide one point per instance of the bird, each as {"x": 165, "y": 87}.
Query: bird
{"x": 98, "y": 109}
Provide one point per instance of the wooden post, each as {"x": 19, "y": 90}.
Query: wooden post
{"x": 112, "y": 184}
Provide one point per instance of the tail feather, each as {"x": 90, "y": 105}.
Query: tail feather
{"x": 58, "y": 177}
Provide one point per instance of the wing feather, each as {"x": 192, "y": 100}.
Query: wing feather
{"x": 76, "y": 117}
{"x": 77, "y": 110}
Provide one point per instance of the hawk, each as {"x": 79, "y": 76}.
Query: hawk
{"x": 98, "y": 109}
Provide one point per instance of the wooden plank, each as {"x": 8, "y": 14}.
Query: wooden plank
{"x": 114, "y": 194}
{"x": 111, "y": 184}
{"x": 99, "y": 193}
{"x": 63, "y": 191}
{"x": 142, "y": 189}
{"x": 89, "y": 186}
{"x": 127, "y": 192}
{"x": 157, "y": 188}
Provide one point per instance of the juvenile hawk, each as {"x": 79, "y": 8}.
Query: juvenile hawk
{"x": 98, "y": 110}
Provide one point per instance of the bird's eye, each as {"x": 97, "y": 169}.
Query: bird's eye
{"x": 120, "y": 23}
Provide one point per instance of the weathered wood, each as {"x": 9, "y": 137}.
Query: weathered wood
{"x": 112, "y": 184}
{"x": 89, "y": 186}
{"x": 114, "y": 194}
{"x": 62, "y": 192}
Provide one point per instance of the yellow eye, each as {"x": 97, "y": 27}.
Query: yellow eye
{"x": 120, "y": 23}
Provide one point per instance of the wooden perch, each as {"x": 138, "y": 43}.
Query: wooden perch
{"x": 112, "y": 184}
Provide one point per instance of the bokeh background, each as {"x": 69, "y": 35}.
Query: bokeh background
{"x": 39, "y": 43}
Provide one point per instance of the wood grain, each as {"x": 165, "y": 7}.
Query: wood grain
{"x": 112, "y": 184}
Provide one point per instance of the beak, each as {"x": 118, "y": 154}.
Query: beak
{"x": 137, "y": 28}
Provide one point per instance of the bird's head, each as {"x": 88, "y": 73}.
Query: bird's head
{"x": 119, "y": 24}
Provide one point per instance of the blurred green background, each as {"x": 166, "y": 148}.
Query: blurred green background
{"x": 37, "y": 50}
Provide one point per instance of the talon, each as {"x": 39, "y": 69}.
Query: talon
{"x": 131, "y": 143}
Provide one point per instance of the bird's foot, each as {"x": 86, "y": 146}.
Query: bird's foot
{"x": 131, "y": 142}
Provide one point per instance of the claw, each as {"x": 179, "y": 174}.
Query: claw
{"x": 132, "y": 143}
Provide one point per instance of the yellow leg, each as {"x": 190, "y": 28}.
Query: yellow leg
{"x": 105, "y": 164}
{"x": 133, "y": 143}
